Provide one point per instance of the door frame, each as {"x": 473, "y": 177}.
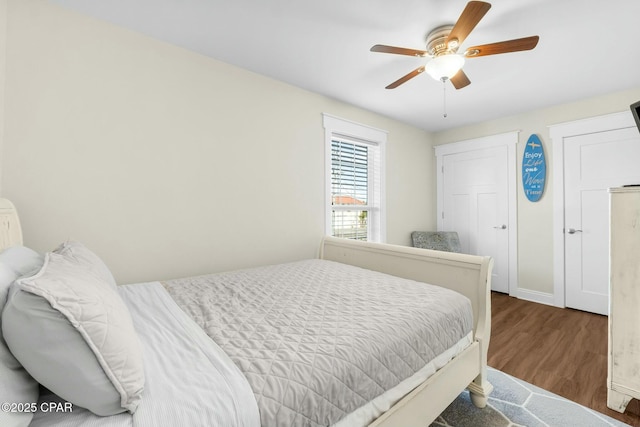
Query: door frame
{"x": 559, "y": 134}
{"x": 509, "y": 140}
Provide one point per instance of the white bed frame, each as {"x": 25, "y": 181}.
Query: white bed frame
{"x": 469, "y": 275}
{"x": 10, "y": 230}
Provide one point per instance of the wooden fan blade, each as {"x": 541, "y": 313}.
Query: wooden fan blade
{"x": 460, "y": 80}
{"x": 406, "y": 78}
{"x": 398, "y": 50}
{"x": 471, "y": 15}
{"x": 516, "y": 45}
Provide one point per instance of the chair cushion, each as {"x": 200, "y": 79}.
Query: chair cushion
{"x": 438, "y": 240}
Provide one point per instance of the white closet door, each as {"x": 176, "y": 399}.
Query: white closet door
{"x": 593, "y": 163}
{"x": 476, "y": 205}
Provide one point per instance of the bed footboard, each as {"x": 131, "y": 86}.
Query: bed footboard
{"x": 469, "y": 275}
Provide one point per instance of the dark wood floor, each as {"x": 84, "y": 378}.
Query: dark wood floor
{"x": 561, "y": 350}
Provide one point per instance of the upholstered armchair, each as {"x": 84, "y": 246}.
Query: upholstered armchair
{"x": 439, "y": 240}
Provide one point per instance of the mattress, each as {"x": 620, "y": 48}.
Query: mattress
{"x": 318, "y": 341}
{"x": 300, "y": 344}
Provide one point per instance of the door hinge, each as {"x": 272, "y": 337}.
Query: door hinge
{"x": 442, "y": 214}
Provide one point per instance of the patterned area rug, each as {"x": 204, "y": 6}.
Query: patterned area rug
{"x": 515, "y": 403}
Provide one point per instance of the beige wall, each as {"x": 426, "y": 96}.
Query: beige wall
{"x": 535, "y": 220}
{"x": 3, "y": 44}
{"x": 168, "y": 163}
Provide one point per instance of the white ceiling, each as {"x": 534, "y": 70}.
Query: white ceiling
{"x": 587, "y": 48}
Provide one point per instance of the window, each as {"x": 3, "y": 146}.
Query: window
{"x": 355, "y": 180}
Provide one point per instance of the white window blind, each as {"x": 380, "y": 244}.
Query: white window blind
{"x": 355, "y": 191}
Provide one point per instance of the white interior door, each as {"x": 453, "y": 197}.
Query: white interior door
{"x": 476, "y": 205}
{"x": 593, "y": 163}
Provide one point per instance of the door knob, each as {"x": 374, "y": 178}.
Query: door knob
{"x": 501, "y": 227}
{"x": 573, "y": 231}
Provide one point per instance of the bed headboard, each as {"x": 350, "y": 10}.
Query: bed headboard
{"x": 10, "y": 230}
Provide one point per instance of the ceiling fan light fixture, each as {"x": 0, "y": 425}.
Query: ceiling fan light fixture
{"x": 443, "y": 43}
{"x": 444, "y": 67}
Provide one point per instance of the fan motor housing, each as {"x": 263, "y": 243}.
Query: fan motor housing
{"x": 437, "y": 41}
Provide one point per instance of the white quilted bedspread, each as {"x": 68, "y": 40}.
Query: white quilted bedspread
{"x": 317, "y": 339}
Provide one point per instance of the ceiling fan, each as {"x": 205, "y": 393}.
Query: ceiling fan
{"x": 443, "y": 43}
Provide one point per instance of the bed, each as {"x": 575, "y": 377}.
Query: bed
{"x": 346, "y": 339}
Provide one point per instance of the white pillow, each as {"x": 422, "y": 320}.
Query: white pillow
{"x": 74, "y": 334}
{"x": 16, "y": 386}
{"x": 82, "y": 254}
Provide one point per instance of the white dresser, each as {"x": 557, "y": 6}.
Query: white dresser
{"x": 623, "y": 382}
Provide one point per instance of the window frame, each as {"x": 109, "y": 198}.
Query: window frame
{"x": 352, "y": 132}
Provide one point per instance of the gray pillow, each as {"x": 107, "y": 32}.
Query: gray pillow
{"x": 17, "y": 386}
{"x": 71, "y": 330}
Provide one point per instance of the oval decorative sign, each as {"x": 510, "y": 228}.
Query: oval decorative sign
{"x": 534, "y": 169}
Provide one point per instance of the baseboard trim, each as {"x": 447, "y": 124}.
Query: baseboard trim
{"x": 536, "y": 296}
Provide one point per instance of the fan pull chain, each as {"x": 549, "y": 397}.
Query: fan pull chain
{"x": 444, "y": 97}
